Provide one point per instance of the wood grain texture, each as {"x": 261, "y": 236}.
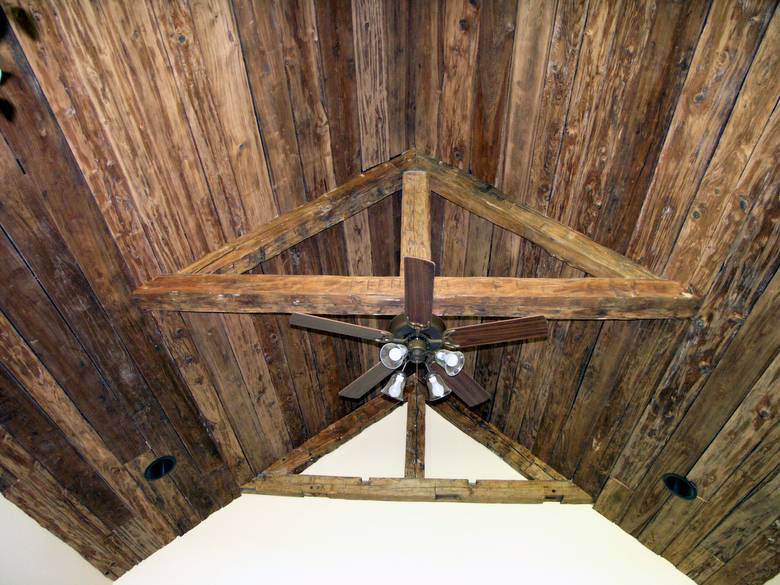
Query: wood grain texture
{"x": 419, "y": 490}
{"x": 419, "y": 291}
{"x": 414, "y": 463}
{"x": 146, "y": 135}
{"x": 303, "y": 222}
{"x": 25, "y": 367}
{"x": 415, "y": 217}
{"x": 571, "y": 246}
{"x": 555, "y": 298}
{"x": 614, "y": 380}
{"x": 499, "y": 332}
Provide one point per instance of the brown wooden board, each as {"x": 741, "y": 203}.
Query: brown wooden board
{"x": 143, "y": 136}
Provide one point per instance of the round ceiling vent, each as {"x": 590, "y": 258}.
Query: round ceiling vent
{"x": 160, "y": 467}
{"x": 680, "y": 486}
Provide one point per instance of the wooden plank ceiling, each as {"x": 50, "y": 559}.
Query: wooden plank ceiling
{"x": 138, "y": 136}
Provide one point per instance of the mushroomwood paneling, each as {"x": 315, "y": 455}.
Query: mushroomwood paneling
{"x": 144, "y": 135}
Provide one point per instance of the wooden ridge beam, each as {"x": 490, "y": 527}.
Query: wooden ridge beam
{"x": 333, "y": 436}
{"x": 554, "y": 298}
{"x": 561, "y": 241}
{"x": 285, "y": 231}
{"x": 419, "y": 490}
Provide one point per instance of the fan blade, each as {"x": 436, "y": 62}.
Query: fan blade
{"x": 363, "y": 385}
{"x": 498, "y": 331}
{"x": 338, "y": 327}
{"x": 466, "y": 387}
{"x": 418, "y": 289}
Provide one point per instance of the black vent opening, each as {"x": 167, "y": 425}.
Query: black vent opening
{"x": 160, "y": 467}
{"x": 680, "y": 486}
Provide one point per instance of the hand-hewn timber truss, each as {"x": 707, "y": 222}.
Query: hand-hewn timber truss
{"x": 619, "y": 289}
{"x": 544, "y": 483}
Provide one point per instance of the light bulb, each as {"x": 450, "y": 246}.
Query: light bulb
{"x": 395, "y": 387}
{"x": 451, "y": 361}
{"x": 436, "y": 387}
{"x": 392, "y": 355}
{"x": 396, "y": 354}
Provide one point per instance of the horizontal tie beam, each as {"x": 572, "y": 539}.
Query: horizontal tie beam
{"x": 420, "y": 490}
{"x": 554, "y": 298}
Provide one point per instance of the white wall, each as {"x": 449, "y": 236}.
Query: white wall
{"x": 31, "y": 555}
{"x": 269, "y": 540}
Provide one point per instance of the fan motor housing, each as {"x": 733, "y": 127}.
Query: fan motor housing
{"x": 419, "y": 340}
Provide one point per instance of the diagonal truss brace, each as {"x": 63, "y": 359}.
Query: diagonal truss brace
{"x": 620, "y": 289}
{"x": 544, "y": 484}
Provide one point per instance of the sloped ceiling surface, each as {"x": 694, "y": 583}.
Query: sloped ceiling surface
{"x": 139, "y": 136}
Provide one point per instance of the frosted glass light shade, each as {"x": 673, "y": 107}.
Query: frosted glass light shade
{"x": 395, "y": 386}
{"x": 451, "y": 361}
{"x": 392, "y": 355}
{"x": 437, "y": 389}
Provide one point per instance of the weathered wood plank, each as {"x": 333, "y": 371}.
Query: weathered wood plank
{"x": 312, "y": 127}
{"x": 332, "y": 437}
{"x": 556, "y": 298}
{"x": 731, "y": 181}
{"x": 165, "y": 494}
{"x": 175, "y": 427}
{"x": 32, "y": 431}
{"x": 540, "y": 96}
{"x": 700, "y": 565}
{"x": 745, "y": 430}
{"x": 427, "y": 70}
{"x": 26, "y": 304}
{"x": 709, "y": 400}
{"x": 709, "y": 90}
{"x": 204, "y": 392}
{"x": 42, "y": 498}
{"x": 201, "y": 43}
{"x": 460, "y": 39}
{"x": 756, "y": 513}
{"x": 372, "y": 59}
{"x": 211, "y": 339}
{"x": 696, "y": 524}
{"x": 415, "y": 217}
{"x": 305, "y": 221}
{"x": 703, "y": 110}
{"x": 489, "y": 113}
{"x": 29, "y": 371}
{"x": 368, "y": 17}
{"x": 414, "y": 465}
{"x": 420, "y": 490}
{"x": 559, "y": 240}
{"x": 124, "y": 345}
{"x": 512, "y": 452}
{"x": 279, "y": 41}
{"x": 397, "y": 64}
{"x": 604, "y": 170}
{"x": 756, "y": 563}
{"x": 337, "y": 54}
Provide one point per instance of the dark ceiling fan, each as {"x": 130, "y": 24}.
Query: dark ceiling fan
{"x": 420, "y": 338}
